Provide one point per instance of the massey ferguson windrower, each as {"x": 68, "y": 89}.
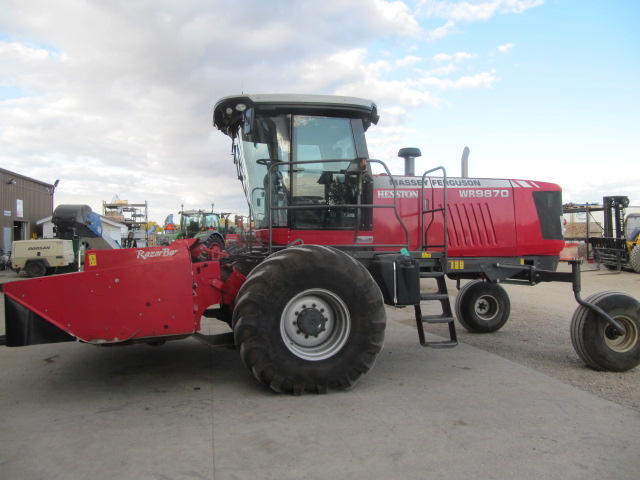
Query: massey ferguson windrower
{"x": 338, "y": 242}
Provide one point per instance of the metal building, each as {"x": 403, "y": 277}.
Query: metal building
{"x": 23, "y": 201}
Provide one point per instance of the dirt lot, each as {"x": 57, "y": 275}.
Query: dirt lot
{"x": 537, "y": 333}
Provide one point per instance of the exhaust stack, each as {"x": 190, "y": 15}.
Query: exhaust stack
{"x": 465, "y": 163}
{"x": 409, "y": 154}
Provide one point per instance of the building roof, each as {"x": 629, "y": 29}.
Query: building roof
{"x": 24, "y": 177}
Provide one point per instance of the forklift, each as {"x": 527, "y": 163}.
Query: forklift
{"x": 619, "y": 247}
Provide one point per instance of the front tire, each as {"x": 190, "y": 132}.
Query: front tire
{"x": 482, "y": 307}
{"x": 595, "y": 340}
{"x": 309, "y": 318}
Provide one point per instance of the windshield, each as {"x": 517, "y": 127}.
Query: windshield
{"x": 191, "y": 223}
{"x": 211, "y": 221}
{"x": 326, "y": 142}
{"x": 266, "y": 145}
{"x": 632, "y": 227}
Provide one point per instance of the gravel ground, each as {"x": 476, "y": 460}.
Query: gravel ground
{"x": 537, "y": 333}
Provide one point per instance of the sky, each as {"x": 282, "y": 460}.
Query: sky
{"x": 116, "y": 98}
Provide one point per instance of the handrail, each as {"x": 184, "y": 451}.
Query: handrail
{"x": 432, "y": 211}
{"x": 271, "y": 208}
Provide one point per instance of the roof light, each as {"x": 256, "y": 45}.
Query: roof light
{"x": 229, "y": 111}
{"x": 241, "y": 107}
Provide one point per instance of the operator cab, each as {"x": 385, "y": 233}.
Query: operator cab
{"x": 302, "y": 159}
{"x": 196, "y": 221}
{"x": 632, "y": 226}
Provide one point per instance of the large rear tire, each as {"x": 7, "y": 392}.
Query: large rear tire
{"x": 634, "y": 258}
{"x": 596, "y": 341}
{"x": 309, "y": 318}
{"x": 482, "y": 307}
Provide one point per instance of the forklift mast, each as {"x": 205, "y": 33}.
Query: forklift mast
{"x": 614, "y": 209}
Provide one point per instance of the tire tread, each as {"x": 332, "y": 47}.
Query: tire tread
{"x": 255, "y": 353}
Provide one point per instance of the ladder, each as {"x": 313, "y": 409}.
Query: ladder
{"x": 433, "y": 269}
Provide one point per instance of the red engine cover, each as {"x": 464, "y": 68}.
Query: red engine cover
{"x": 487, "y": 218}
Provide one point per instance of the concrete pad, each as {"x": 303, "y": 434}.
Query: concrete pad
{"x": 185, "y": 411}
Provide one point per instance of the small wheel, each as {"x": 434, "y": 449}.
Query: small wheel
{"x": 482, "y": 307}
{"x": 36, "y": 269}
{"x": 301, "y": 324}
{"x": 634, "y": 258}
{"x": 208, "y": 242}
{"x": 597, "y": 342}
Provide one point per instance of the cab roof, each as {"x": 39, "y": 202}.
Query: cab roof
{"x": 229, "y": 111}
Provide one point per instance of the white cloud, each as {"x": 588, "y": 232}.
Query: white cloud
{"x": 18, "y": 52}
{"x": 445, "y": 30}
{"x": 349, "y": 72}
{"x": 455, "y": 12}
{"x": 505, "y": 48}
{"x": 456, "y": 57}
{"x": 455, "y": 62}
{"x": 408, "y": 60}
{"x": 473, "y": 10}
{"x": 397, "y": 13}
{"x": 479, "y": 80}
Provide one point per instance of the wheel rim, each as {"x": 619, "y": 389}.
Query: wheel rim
{"x": 315, "y": 324}
{"x": 621, "y": 343}
{"x": 486, "y": 307}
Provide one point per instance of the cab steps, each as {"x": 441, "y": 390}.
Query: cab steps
{"x": 446, "y": 316}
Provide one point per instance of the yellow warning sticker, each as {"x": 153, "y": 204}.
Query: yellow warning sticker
{"x": 93, "y": 261}
{"x": 456, "y": 264}
{"x": 426, "y": 254}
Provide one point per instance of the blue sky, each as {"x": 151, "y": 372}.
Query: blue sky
{"x": 116, "y": 97}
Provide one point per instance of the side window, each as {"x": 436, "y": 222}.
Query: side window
{"x": 327, "y": 144}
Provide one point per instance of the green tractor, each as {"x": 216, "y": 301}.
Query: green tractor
{"x": 197, "y": 224}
